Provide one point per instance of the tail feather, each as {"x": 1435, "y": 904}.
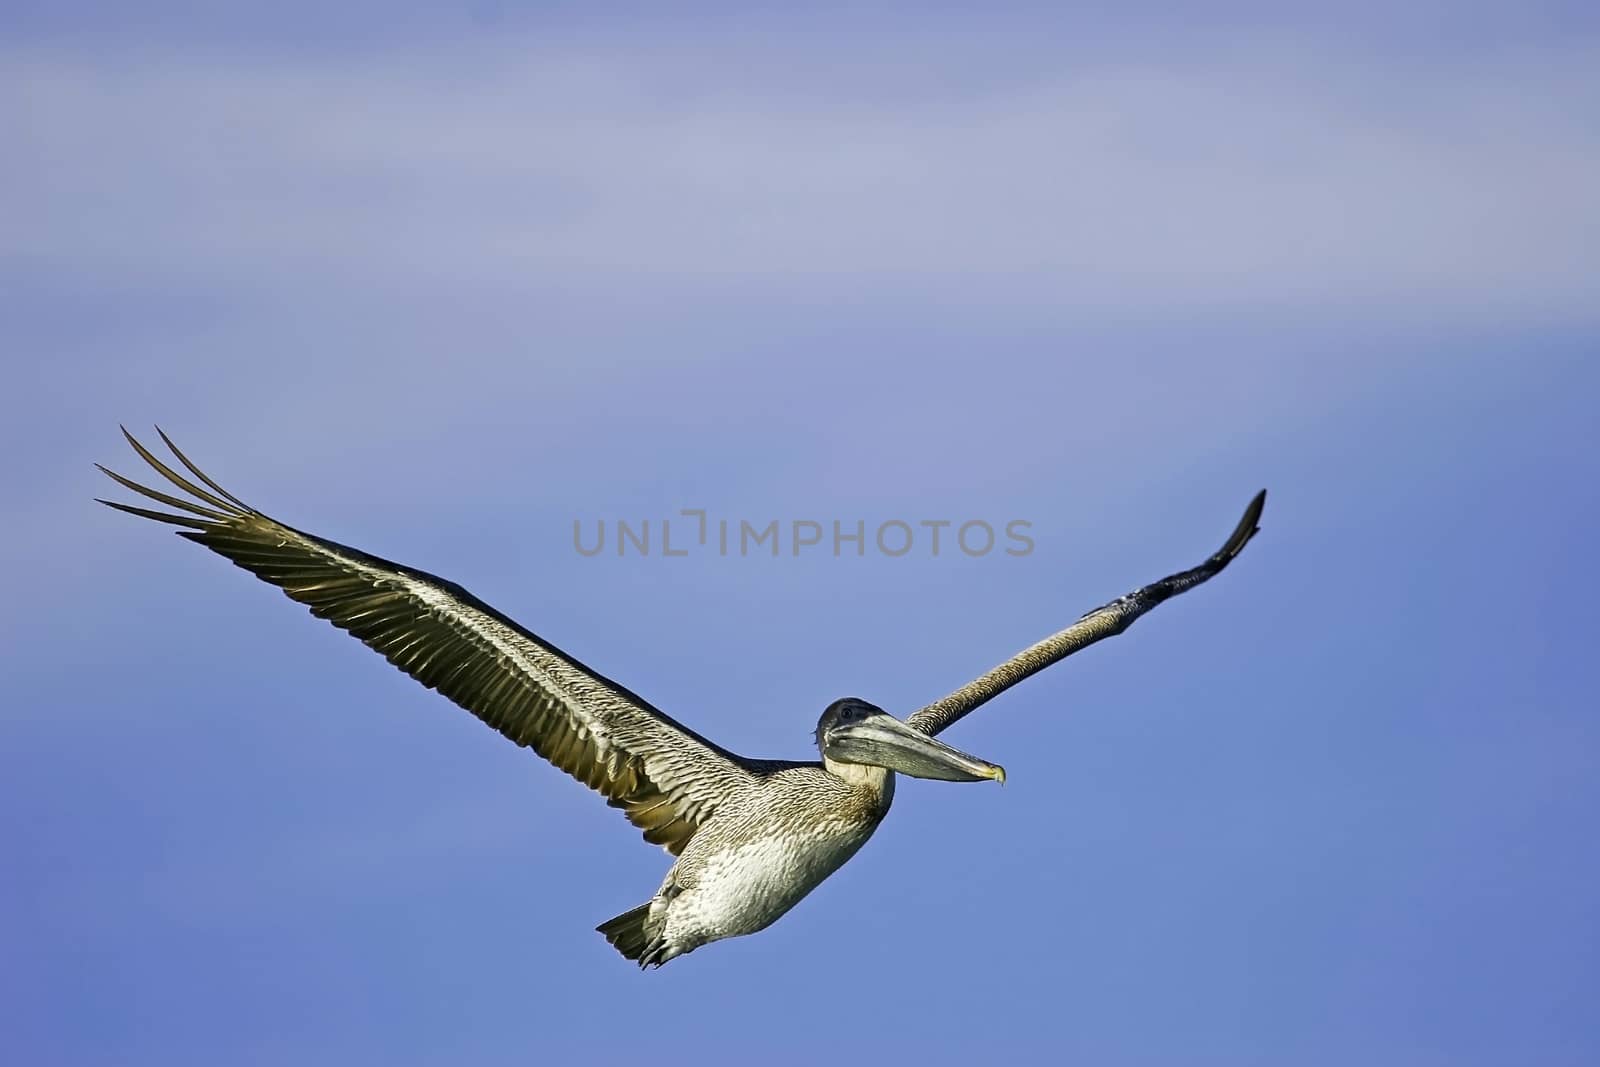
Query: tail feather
{"x": 626, "y": 932}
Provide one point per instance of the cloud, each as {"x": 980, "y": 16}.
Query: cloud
{"x": 847, "y": 268}
{"x": 1269, "y": 175}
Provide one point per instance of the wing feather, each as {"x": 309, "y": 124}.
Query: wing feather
{"x": 1105, "y": 621}
{"x": 666, "y": 778}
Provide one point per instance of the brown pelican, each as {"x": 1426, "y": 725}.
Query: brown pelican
{"x": 751, "y": 837}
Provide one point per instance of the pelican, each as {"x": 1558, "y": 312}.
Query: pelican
{"x": 750, "y": 837}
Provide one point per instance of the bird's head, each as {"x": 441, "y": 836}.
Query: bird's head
{"x": 853, "y": 731}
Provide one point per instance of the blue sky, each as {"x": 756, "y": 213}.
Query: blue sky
{"x": 438, "y": 282}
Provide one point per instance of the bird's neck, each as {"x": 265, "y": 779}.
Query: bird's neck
{"x": 878, "y": 782}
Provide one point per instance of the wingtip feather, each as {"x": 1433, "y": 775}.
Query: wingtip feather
{"x": 198, "y": 473}
{"x": 158, "y": 516}
{"x": 1249, "y": 526}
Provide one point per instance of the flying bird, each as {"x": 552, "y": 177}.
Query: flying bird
{"x": 751, "y": 837}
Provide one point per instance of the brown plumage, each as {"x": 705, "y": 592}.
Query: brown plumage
{"x": 666, "y": 778}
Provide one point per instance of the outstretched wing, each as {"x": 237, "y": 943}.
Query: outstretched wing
{"x": 1102, "y": 622}
{"x": 666, "y": 778}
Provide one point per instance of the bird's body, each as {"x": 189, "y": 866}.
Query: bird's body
{"x": 751, "y": 837}
{"x": 757, "y": 857}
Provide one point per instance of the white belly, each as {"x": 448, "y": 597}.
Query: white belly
{"x": 745, "y": 888}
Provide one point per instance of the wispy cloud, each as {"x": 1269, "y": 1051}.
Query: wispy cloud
{"x": 1265, "y": 175}
{"x": 359, "y": 215}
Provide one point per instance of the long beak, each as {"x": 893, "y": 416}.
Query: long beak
{"x": 884, "y": 741}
